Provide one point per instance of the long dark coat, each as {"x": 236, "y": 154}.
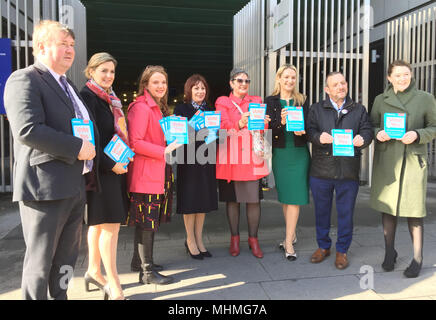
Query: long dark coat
{"x": 110, "y": 205}
{"x": 196, "y": 183}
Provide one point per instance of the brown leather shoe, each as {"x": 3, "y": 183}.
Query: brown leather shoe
{"x": 341, "y": 260}
{"x": 319, "y": 255}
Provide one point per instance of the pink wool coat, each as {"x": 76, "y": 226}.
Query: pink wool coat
{"x": 235, "y": 159}
{"x": 147, "y": 172}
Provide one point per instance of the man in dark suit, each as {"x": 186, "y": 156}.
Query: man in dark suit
{"x": 50, "y": 162}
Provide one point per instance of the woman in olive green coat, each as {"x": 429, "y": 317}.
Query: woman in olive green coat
{"x": 399, "y": 178}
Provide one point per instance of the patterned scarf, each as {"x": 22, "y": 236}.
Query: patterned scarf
{"x": 116, "y": 107}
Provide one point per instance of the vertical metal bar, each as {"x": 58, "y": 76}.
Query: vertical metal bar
{"x": 422, "y": 65}
{"x": 358, "y": 27}
{"x": 407, "y": 38}
{"x": 325, "y": 45}
{"x": 413, "y": 45}
{"x": 365, "y": 62}
{"x": 318, "y": 50}
{"x": 350, "y": 90}
{"x": 17, "y": 30}
{"x": 400, "y": 39}
{"x": 36, "y": 12}
{"x": 305, "y": 48}
{"x": 53, "y": 10}
{"x": 433, "y": 52}
{"x": 312, "y": 14}
{"x": 249, "y": 65}
{"x": 298, "y": 35}
{"x": 397, "y": 39}
{"x": 338, "y": 37}
{"x": 345, "y": 40}
{"x": 418, "y": 51}
{"x": 391, "y": 56}
{"x": 8, "y": 15}
{"x": 262, "y": 48}
{"x": 332, "y": 23}
{"x": 428, "y": 45}
{"x": 387, "y": 44}
{"x": 26, "y": 32}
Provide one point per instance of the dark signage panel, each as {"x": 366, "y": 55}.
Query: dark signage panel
{"x": 5, "y": 68}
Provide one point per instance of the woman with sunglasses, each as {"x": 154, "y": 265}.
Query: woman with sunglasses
{"x": 238, "y": 170}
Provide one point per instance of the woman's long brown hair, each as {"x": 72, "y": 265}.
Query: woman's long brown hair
{"x": 143, "y": 82}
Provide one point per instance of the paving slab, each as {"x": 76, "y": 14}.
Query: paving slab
{"x": 326, "y": 288}
{"x": 223, "y": 277}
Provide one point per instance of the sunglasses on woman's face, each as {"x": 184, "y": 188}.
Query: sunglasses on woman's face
{"x": 241, "y": 81}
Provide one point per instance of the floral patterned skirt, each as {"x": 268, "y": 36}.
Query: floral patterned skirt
{"x": 149, "y": 211}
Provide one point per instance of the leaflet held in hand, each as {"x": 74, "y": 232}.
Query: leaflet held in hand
{"x": 175, "y": 129}
{"x": 83, "y": 129}
{"x": 118, "y": 150}
{"x": 212, "y": 121}
{"x": 294, "y": 119}
{"x": 256, "y": 120}
{"x": 197, "y": 120}
{"x": 343, "y": 142}
{"x": 395, "y": 125}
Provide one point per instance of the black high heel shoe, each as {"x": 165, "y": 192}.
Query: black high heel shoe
{"x": 389, "y": 262}
{"x": 193, "y": 256}
{"x": 413, "y": 269}
{"x": 108, "y": 293}
{"x": 88, "y": 279}
{"x": 206, "y": 254}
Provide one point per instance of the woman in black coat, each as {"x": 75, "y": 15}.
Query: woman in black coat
{"x": 196, "y": 183}
{"x": 107, "y": 209}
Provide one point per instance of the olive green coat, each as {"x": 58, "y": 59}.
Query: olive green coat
{"x": 399, "y": 177}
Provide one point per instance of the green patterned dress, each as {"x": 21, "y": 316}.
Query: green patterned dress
{"x": 291, "y": 168}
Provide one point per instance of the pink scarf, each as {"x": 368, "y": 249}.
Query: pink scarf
{"x": 116, "y": 106}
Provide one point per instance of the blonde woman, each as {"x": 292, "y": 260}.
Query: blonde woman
{"x": 290, "y": 161}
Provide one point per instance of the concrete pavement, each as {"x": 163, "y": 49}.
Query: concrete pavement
{"x": 245, "y": 277}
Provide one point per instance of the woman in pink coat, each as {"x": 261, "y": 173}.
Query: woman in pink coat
{"x": 238, "y": 169}
{"x": 149, "y": 178}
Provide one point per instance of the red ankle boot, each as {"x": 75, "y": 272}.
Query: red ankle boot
{"x": 234, "y": 246}
{"x": 254, "y": 246}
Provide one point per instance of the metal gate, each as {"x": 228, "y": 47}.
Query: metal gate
{"x": 249, "y": 43}
{"x": 328, "y": 35}
{"x": 17, "y": 20}
{"x": 413, "y": 38}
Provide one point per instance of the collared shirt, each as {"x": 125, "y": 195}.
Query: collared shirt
{"x": 73, "y": 92}
{"x": 197, "y": 106}
{"x": 337, "y": 108}
{"x": 76, "y": 98}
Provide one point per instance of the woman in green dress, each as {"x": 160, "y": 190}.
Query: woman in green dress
{"x": 290, "y": 161}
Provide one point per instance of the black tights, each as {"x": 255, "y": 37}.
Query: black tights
{"x": 416, "y": 230}
{"x": 253, "y": 217}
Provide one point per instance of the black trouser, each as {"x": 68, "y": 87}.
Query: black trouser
{"x": 52, "y": 232}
